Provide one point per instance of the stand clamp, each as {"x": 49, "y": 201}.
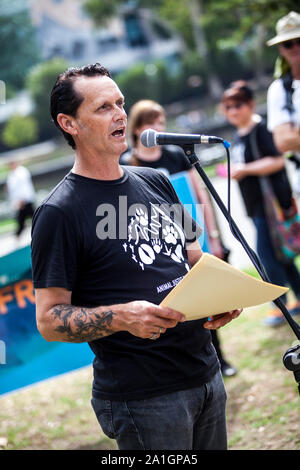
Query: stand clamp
{"x": 291, "y": 361}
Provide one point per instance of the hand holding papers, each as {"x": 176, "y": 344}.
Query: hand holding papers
{"x": 213, "y": 286}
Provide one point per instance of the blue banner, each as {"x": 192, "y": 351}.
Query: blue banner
{"x": 25, "y": 357}
{"x": 185, "y": 191}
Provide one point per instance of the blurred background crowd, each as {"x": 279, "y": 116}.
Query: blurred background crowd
{"x": 180, "y": 54}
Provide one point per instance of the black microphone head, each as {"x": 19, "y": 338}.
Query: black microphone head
{"x": 148, "y": 138}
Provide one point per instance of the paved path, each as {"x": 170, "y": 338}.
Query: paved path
{"x": 238, "y": 256}
{"x": 9, "y": 242}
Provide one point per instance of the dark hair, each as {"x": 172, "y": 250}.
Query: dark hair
{"x": 239, "y": 92}
{"x": 64, "y": 98}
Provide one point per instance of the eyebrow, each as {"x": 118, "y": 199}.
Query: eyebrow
{"x": 107, "y": 101}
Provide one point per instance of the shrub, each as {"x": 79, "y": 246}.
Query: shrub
{"x": 20, "y": 130}
{"x": 40, "y": 82}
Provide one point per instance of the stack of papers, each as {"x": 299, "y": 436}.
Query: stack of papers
{"x": 213, "y": 286}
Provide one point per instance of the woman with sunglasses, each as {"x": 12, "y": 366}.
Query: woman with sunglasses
{"x": 284, "y": 92}
{"x": 254, "y": 155}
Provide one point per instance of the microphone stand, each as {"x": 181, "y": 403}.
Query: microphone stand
{"x": 291, "y": 358}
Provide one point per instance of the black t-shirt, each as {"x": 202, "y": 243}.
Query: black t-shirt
{"x": 249, "y": 186}
{"x": 83, "y": 240}
{"x": 172, "y": 160}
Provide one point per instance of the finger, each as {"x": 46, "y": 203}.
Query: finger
{"x": 169, "y": 314}
{"x": 152, "y": 323}
{"x": 161, "y": 330}
{"x": 236, "y": 313}
{"x": 218, "y": 321}
{"x": 232, "y": 313}
{"x": 222, "y": 319}
{"x": 156, "y": 334}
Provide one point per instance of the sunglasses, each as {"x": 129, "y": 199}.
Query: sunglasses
{"x": 289, "y": 44}
{"x": 234, "y": 106}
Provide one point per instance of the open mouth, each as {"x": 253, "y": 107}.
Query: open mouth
{"x": 118, "y": 132}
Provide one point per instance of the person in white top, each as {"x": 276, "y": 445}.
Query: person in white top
{"x": 283, "y": 99}
{"x": 21, "y": 194}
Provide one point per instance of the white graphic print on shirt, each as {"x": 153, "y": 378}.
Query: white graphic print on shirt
{"x": 159, "y": 236}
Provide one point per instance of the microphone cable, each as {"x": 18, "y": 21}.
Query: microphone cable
{"x": 251, "y": 253}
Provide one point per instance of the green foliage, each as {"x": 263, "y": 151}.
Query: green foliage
{"x": 101, "y": 11}
{"x": 156, "y": 81}
{"x": 40, "y": 82}
{"x": 20, "y": 130}
{"x": 230, "y": 66}
{"x": 18, "y": 47}
{"x": 134, "y": 84}
{"x": 178, "y": 16}
{"x": 192, "y": 79}
{"x": 231, "y": 34}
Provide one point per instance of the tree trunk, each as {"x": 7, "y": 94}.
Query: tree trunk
{"x": 258, "y": 54}
{"x": 196, "y": 14}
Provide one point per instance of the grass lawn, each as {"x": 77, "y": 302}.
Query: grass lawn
{"x": 263, "y": 407}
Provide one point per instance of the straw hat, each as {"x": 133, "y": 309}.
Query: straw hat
{"x": 287, "y": 28}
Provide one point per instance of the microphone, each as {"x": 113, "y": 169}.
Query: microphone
{"x": 151, "y": 138}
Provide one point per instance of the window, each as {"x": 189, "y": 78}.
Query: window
{"x": 78, "y": 49}
{"x": 107, "y": 44}
{"x": 135, "y": 34}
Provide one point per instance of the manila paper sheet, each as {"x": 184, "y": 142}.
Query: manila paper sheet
{"x": 213, "y": 286}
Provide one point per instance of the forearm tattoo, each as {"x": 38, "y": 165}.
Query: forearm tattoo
{"x": 78, "y": 324}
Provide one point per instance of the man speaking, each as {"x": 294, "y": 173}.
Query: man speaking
{"x": 157, "y": 383}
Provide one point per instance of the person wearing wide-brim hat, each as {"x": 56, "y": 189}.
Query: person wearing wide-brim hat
{"x": 284, "y": 92}
{"x": 287, "y": 28}
{"x": 284, "y": 102}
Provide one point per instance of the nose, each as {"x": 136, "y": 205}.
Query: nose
{"x": 120, "y": 114}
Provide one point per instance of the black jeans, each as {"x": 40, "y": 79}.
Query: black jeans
{"x": 192, "y": 419}
{"x": 26, "y": 211}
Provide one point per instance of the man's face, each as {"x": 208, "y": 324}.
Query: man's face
{"x": 292, "y": 52}
{"x": 100, "y": 119}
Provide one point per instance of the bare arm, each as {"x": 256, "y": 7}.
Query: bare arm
{"x": 287, "y": 137}
{"x": 194, "y": 252}
{"x": 262, "y": 167}
{"x": 59, "y": 320}
{"x": 208, "y": 213}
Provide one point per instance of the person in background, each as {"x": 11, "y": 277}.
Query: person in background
{"x": 283, "y": 100}
{"x": 21, "y": 194}
{"x": 238, "y": 105}
{"x": 171, "y": 160}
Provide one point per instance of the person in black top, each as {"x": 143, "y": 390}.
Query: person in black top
{"x": 106, "y": 250}
{"x": 171, "y": 159}
{"x": 254, "y": 155}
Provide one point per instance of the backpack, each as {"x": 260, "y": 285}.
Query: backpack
{"x": 287, "y": 81}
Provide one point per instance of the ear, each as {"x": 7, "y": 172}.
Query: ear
{"x": 67, "y": 123}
